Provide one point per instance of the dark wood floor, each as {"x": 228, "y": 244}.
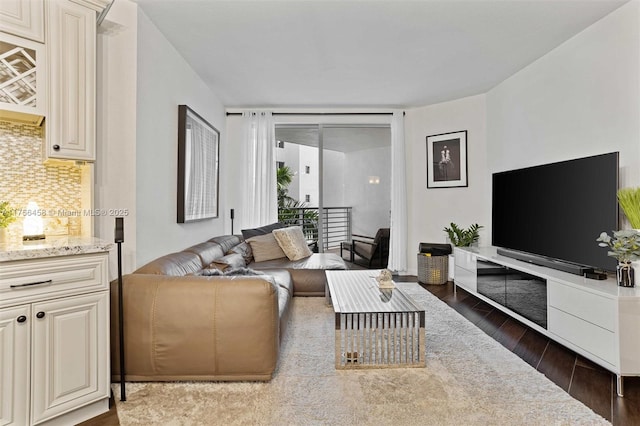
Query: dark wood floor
{"x": 582, "y": 379}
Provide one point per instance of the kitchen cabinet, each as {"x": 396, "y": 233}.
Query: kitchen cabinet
{"x": 54, "y": 339}
{"x": 23, "y": 18}
{"x": 71, "y": 49}
{"x": 23, "y": 89}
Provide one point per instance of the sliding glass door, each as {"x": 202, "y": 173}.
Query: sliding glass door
{"x": 335, "y": 179}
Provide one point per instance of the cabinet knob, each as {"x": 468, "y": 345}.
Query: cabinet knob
{"x": 40, "y": 314}
{"x": 21, "y": 318}
{"x": 56, "y": 147}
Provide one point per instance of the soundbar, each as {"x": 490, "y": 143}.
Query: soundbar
{"x": 559, "y": 265}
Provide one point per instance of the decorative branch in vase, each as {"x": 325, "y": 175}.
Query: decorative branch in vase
{"x": 624, "y": 246}
{"x": 629, "y": 201}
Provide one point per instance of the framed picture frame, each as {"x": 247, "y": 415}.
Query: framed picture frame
{"x": 198, "y": 167}
{"x": 447, "y": 160}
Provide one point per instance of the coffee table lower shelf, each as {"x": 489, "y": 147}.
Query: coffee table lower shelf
{"x": 380, "y": 340}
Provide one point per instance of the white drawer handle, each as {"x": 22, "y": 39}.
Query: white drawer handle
{"x": 30, "y": 284}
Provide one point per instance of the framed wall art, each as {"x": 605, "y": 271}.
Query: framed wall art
{"x": 447, "y": 160}
{"x": 198, "y": 164}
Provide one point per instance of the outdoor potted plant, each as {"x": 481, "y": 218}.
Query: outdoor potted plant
{"x": 624, "y": 246}
{"x": 7, "y": 216}
{"x": 460, "y": 237}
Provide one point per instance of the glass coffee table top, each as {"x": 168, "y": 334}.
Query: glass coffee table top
{"x": 358, "y": 291}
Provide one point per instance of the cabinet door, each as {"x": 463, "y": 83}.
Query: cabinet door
{"x": 14, "y": 365}
{"x": 23, "y": 18}
{"x": 22, "y": 79}
{"x": 71, "y": 45}
{"x": 70, "y": 354}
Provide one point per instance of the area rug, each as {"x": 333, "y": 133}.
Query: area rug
{"x": 469, "y": 379}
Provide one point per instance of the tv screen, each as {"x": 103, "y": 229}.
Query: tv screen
{"x": 558, "y": 210}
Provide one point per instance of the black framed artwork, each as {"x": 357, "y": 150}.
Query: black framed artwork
{"x": 198, "y": 164}
{"x": 447, "y": 160}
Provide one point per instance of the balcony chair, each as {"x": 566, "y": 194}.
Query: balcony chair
{"x": 370, "y": 252}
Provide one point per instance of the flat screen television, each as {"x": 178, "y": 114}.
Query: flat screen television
{"x": 552, "y": 214}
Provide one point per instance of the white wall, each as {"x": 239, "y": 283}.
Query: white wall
{"x": 165, "y": 81}
{"x": 371, "y": 202}
{"x": 333, "y": 183}
{"x": 233, "y": 175}
{"x": 580, "y": 99}
{"x": 115, "y": 167}
{"x": 309, "y": 185}
{"x": 431, "y": 209}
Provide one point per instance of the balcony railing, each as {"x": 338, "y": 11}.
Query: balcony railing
{"x": 337, "y": 223}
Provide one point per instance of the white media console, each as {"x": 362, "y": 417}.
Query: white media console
{"x": 597, "y": 319}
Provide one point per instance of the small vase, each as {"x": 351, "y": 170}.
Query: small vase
{"x": 4, "y": 235}
{"x": 625, "y": 274}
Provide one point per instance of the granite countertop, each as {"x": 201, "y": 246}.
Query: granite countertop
{"x": 51, "y": 247}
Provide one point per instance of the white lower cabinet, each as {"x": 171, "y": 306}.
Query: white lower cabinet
{"x": 14, "y": 368}
{"x": 55, "y": 353}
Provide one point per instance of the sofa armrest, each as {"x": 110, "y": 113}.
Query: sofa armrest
{"x": 196, "y": 328}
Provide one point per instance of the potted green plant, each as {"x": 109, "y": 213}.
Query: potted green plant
{"x": 7, "y": 216}
{"x": 460, "y": 237}
{"x": 629, "y": 200}
{"x": 624, "y": 246}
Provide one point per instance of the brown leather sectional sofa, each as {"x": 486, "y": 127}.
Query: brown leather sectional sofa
{"x": 180, "y": 325}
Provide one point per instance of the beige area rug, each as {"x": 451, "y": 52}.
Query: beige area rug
{"x": 470, "y": 379}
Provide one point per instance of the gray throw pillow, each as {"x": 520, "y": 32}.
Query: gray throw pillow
{"x": 248, "y": 233}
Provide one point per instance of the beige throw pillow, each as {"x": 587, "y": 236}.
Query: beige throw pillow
{"x": 292, "y": 242}
{"x": 265, "y": 247}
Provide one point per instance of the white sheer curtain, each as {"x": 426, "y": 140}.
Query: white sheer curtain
{"x": 398, "y": 241}
{"x": 259, "y": 201}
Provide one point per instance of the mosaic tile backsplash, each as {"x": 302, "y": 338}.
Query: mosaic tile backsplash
{"x": 55, "y": 187}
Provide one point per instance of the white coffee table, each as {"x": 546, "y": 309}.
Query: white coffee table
{"x": 374, "y": 328}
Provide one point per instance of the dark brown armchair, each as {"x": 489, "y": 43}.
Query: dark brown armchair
{"x": 371, "y": 252}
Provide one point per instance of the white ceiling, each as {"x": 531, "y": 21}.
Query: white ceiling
{"x": 364, "y": 53}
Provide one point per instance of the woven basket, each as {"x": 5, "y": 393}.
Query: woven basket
{"x": 433, "y": 269}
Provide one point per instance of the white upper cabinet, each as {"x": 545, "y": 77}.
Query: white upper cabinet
{"x": 48, "y": 69}
{"x": 23, "y": 18}
{"x": 23, "y": 91}
{"x": 71, "y": 49}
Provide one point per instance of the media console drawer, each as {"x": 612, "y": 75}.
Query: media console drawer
{"x": 465, "y": 260}
{"x": 466, "y": 279}
{"x": 593, "y": 339}
{"x": 590, "y": 307}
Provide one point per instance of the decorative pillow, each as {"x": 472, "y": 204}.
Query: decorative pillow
{"x": 263, "y": 230}
{"x": 292, "y": 242}
{"x": 233, "y": 260}
{"x": 244, "y": 250}
{"x": 265, "y": 247}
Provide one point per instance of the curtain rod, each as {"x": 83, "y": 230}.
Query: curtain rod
{"x": 322, "y": 113}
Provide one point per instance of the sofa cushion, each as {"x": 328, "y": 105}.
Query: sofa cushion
{"x": 263, "y": 230}
{"x": 307, "y": 274}
{"x": 265, "y": 247}
{"x": 174, "y": 264}
{"x": 208, "y": 251}
{"x": 245, "y": 250}
{"x": 230, "y": 261}
{"x": 227, "y": 242}
{"x": 292, "y": 242}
